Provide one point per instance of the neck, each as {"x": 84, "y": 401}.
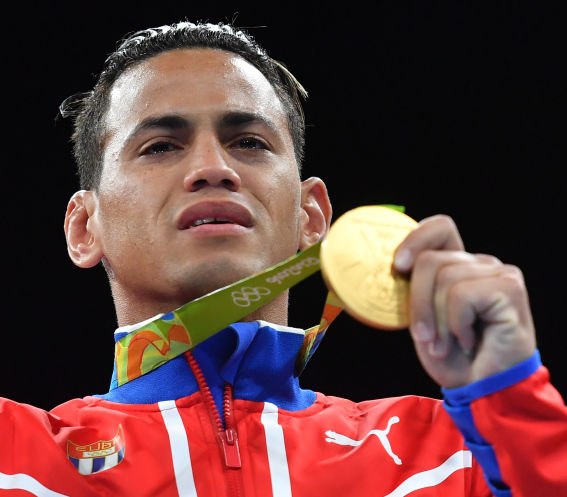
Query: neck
{"x": 131, "y": 311}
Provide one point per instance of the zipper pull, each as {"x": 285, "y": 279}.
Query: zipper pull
{"x": 229, "y": 442}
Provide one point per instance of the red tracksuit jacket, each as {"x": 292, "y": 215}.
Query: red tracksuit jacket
{"x": 231, "y": 420}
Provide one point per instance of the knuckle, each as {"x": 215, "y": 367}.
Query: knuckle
{"x": 457, "y": 291}
{"x": 441, "y": 219}
{"x": 488, "y": 259}
{"x": 445, "y": 275}
{"x": 446, "y": 220}
{"x": 514, "y": 274}
{"x": 514, "y": 271}
{"x": 427, "y": 258}
{"x": 447, "y": 223}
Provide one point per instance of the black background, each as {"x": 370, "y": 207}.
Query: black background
{"x": 454, "y": 108}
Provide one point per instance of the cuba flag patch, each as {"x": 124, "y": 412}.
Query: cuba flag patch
{"x": 97, "y": 456}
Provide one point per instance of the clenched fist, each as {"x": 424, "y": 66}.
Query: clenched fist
{"x": 470, "y": 313}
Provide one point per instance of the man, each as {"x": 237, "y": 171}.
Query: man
{"x": 189, "y": 150}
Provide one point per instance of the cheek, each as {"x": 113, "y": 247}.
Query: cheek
{"x": 284, "y": 200}
{"x": 123, "y": 214}
{"x": 128, "y": 197}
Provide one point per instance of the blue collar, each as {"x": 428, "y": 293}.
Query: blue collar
{"x": 257, "y": 358}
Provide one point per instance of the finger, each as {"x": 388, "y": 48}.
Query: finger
{"x": 428, "y": 299}
{"x": 423, "y": 320}
{"x": 499, "y": 306}
{"x": 433, "y": 233}
{"x": 448, "y": 277}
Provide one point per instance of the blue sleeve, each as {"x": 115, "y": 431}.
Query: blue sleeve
{"x": 457, "y": 403}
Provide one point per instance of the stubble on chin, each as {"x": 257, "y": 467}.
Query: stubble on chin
{"x": 213, "y": 275}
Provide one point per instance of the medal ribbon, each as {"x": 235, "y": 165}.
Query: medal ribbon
{"x": 172, "y": 334}
{"x": 169, "y": 335}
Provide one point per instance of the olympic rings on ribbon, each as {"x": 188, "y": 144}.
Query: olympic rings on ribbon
{"x": 248, "y": 294}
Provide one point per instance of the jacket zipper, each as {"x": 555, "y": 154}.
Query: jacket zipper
{"x": 226, "y": 433}
{"x": 229, "y": 436}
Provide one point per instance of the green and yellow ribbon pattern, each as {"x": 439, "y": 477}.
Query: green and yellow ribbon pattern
{"x": 172, "y": 334}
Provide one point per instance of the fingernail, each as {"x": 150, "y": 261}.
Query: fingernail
{"x": 403, "y": 260}
{"x": 422, "y": 332}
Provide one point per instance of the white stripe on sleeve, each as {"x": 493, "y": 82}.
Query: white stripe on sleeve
{"x": 179, "y": 449}
{"x": 277, "y": 459}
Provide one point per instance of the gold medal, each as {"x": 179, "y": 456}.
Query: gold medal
{"x": 356, "y": 264}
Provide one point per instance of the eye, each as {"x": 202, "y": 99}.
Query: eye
{"x": 160, "y": 147}
{"x": 250, "y": 142}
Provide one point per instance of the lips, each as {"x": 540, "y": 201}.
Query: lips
{"x": 205, "y": 213}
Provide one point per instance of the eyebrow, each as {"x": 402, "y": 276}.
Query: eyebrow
{"x": 168, "y": 121}
{"x": 237, "y": 119}
{"x": 174, "y": 122}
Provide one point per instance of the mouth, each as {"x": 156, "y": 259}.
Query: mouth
{"x": 211, "y": 220}
{"x": 214, "y": 213}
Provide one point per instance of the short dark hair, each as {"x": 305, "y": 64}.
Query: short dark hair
{"x": 89, "y": 109}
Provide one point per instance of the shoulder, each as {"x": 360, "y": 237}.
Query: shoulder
{"x": 406, "y": 402}
{"x": 420, "y": 412}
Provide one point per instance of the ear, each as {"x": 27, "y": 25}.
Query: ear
{"x": 82, "y": 243}
{"x": 316, "y": 212}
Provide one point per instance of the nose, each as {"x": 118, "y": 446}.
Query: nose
{"x": 208, "y": 168}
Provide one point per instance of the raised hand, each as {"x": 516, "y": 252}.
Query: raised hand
{"x": 470, "y": 314}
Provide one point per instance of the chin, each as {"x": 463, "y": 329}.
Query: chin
{"x": 212, "y": 275}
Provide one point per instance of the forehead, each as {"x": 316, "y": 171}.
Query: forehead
{"x": 190, "y": 81}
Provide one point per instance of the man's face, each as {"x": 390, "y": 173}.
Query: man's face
{"x": 200, "y": 185}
